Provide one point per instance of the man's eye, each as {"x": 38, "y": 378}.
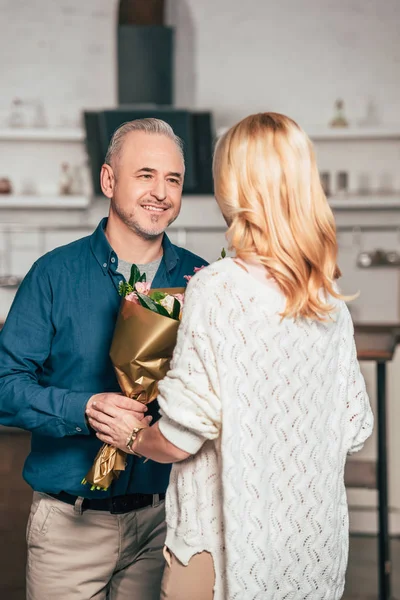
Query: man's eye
{"x": 146, "y": 176}
{"x": 174, "y": 181}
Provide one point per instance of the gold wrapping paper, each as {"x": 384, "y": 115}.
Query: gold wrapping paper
{"x": 141, "y": 351}
{"x": 107, "y": 465}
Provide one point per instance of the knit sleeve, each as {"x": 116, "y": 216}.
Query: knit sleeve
{"x": 189, "y": 395}
{"x": 360, "y": 417}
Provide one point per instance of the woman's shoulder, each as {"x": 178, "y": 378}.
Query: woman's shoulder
{"x": 228, "y": 281}
{"x": 213, "y": 274}
{"x": 213, "y": 283}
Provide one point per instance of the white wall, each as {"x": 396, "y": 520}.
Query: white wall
{"x": 62, "y": 52}
{"x": 294, "y": 57}
{"x": 233, "y": 57}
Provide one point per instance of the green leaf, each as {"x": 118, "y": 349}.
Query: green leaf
{"x": 223, "y": 253}
{"x": 124, "y": 288}
{"x": 153, "y": 306}
{"x": 143, "y": 278}
{"x": 176, "y": 310}
{"x": 157, "y": 296}
{"x": 135, "y": 276}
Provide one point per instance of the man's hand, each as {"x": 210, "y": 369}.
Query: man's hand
{"x": 114, "y": 424}
{"x": 118, "y": 401}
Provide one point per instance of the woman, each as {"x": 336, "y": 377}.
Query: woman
{"x": 264, "y": 398}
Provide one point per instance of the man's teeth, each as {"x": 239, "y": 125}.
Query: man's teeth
{"x": 153, "y": 208}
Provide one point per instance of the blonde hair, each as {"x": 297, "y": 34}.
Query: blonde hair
{"x": 268, "y": 187}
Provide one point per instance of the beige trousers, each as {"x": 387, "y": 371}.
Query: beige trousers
{"x": 192, "y": 582}
{"x": 94, "y": 555}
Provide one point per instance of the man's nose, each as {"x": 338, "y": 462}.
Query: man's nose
{"x": 159, "y": 190}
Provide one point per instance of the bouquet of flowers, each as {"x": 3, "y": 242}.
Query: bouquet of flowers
{"x": 141, "y": 351}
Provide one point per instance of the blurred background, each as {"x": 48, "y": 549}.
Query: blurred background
{"x": 73, "y": 71}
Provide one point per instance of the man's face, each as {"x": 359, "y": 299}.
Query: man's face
{"x": 148, "y": 183}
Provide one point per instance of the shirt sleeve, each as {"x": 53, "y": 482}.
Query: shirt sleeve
{"x": 360, "y": 417}
{"x": 25, "y": 346}
{"x": 189, "y": 395}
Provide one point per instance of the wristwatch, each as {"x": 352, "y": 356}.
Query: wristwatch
{"x": 132, "y": 438}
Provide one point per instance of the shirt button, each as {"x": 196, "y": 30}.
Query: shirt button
{"x": 78, "y": 429}
{"x": 104, "y": 265}
{"x": 113, "y": 260}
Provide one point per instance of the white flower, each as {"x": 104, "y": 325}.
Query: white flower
{"x": 168, "y": 303}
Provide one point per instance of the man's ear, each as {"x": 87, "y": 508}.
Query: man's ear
{"x": 107, "y": 181}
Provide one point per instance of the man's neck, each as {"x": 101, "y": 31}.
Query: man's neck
{"x": 129, "y": 246}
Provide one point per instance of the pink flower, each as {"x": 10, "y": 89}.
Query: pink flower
{"x": 180, "y": 298}
{"x": 195, "y": 270}
{"x": 132, "y": 298}
{"x": 143, "y": 287}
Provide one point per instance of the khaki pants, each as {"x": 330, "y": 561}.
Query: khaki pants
{"x": 94, "y": 555}
{"x": 192, "y": 582}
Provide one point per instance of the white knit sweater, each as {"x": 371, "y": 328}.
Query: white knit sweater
{"x": 269, "y": 409}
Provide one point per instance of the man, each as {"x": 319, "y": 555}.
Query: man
{"x": 54, "y": 364}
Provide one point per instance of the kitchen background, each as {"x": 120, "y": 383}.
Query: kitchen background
{"x": 230, "y": 58}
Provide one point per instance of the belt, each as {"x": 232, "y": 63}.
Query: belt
{"x": 116, "y": 505}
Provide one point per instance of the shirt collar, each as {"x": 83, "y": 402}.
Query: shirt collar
{"x": 171, "y": 257}
{"x": 104, "y": 254}
{"x": 100, "y": 246}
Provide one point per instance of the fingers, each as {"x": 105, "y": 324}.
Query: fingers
{"x": 99, "y": 426}
{"x": 148, "y": 420}
{"x": 138, "y": 406}
{"x": 105, "y": 438}
{"x": 129, "y": 404}
{"x": 113, "y": 399}
{"x": 138, "y": 415}
{"x": 104, "y": 412}
{"x": 102, "y": 408}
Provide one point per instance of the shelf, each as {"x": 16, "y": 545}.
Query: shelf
{"x": 10, "y": 282}
{"x": 11, "y": 201}
{"x": 353, "y": 133}
{"x": 371, "y": 202}
{"x": 199, "y": 204}
{"x": 42, "y": 135}
{"x": 324, "y": 133}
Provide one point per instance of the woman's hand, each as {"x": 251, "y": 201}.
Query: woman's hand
{"x": 113, "y": 425}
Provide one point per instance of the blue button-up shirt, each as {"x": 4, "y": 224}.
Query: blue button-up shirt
{"x": 54, "y": 355}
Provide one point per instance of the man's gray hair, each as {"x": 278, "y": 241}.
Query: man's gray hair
{"x": 149, "y": 125}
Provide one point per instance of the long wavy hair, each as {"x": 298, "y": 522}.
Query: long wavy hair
{"x": 269, "y": 190}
